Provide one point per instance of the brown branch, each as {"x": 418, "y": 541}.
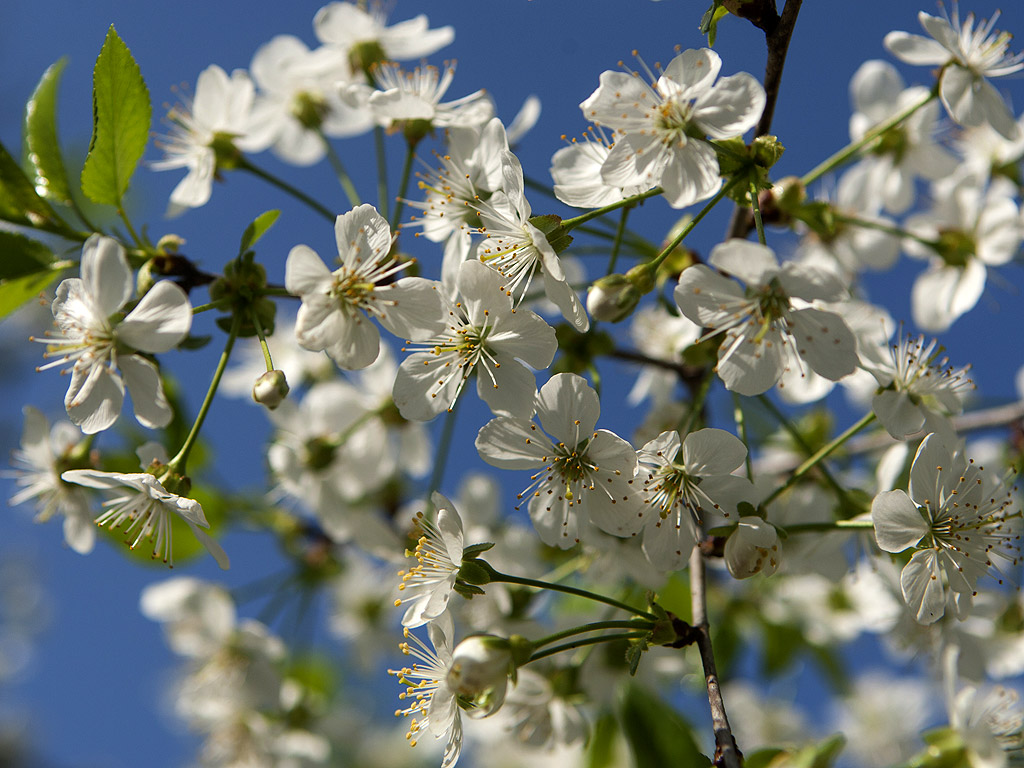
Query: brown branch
{"x": 727, "y": 754}
{"x": 777, "y": 37}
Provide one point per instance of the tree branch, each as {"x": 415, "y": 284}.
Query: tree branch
{"x": 727, "y": 754}
{"x": 777, "y": 39}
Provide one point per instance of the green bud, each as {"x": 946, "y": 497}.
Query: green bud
{"x": 363, "y": 56}
{"x": 145, "y": 280}
{"x": 612, "y": 298}
{"x": 310, "y": 110}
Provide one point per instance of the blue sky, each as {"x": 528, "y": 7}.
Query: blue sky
{"x": 93, "y": 692}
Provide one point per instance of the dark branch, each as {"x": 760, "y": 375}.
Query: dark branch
{"x": 777, "y": 37}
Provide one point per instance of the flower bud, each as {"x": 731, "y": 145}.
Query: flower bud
{"x": 752, "y": 547}
{"x": 479, "y": 672}
{"x": 270, "y": 389}
{"x": 612, "y": 298}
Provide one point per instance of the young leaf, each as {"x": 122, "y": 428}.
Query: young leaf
{"x": 21, "y": 256}
{"x": 121, "y": 117}
{"x": 21, "y": 290}
{"x": 43, "y": 148}
{"x": 19, "y": 202}
{"x": 257, "y": 229}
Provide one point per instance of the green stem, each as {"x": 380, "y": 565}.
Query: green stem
{"x": 382, "y": 170}
{"x": 617, "y": 242}
{"x": 246, "y": 165}
{"x": 177, "y": 464}
{"x": 575, "y": 221}
{"x": 741, "y": 427}
{"x": 219, "y": 304}
{"x": 593, "y": 627}
{"x": 834, "y": 525}
{"x": 585, "y": 641}
{"x": 340, "y": 171}
{"x": 695, "y": 221}
{"x": 131, "y": 229}
{"x": 803, "y": 444}
{"x": 403, "y": 185}
{"x": 507, "y": 579}
{"x": 263, "y": 339}
{"x": 697, "y": 404}
{"x": 883, "y": 227}
{"x": 443, "y": 449}
{"x": 818, "y": 456}
{"x": 853, "y": 148}
{"x": 755, "y": 205}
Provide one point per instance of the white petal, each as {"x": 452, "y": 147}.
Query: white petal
{"x": 94, "y": 397}
{"x": 160, "y": 321}
{"x": 733, "y": 106}
{"x": 921, "y": 582}
{"x": 510, "y": 443}
{"x": 825, "y": 341}
{"x": 105, "y": 274}
{"x": 691, "y": 174}
{"x": 305, "y": 272}
{"x": 753, "y": 263}
{"x": 898, "y": 523}
{"x": 508, "y": 387}
{"x": 356, "y": 343}
{"x": 568, "y": 408}
{"x": 915, "y": 49}
{"x": 362, "y": 235}
{"x": 899, "y": 415}
{"x": 143, "y": 381}
{"x": 712, "y": 452}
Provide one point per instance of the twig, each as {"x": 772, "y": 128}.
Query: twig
{"x": 727, "y": 753}
{"x": 777, "y": 39}
{"x": 985, "y": 418}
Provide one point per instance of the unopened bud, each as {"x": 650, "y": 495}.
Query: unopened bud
{"x": 752, "y": 547}
{"x": 612, "y": 298}
{"x": 270, "y": 389}
{"x": 480, "y": 670}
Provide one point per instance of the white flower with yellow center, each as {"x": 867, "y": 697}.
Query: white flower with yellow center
{"x": 427, "y": 587}
{"x": 583, "y": 476}
{"x": 485, "y": 335}
{"x": 662, "y": 124}
{"x": 336, "y": 306}
{"x": 967, "y": 54}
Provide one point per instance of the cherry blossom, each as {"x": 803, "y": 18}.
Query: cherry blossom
{"x": 99, "y": 349}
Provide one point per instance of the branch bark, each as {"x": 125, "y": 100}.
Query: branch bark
{"x": 727, "y": 754}
{"x": 777, "y": 39}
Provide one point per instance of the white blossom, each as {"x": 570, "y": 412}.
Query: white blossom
{"x": 661, "y": 124}
{"x": 99, "y": 349}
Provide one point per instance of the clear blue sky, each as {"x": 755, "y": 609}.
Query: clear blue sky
{"x": 92, "y": 694}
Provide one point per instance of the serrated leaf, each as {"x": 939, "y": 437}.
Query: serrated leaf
{"x": 19, "y": 203}
{"x": 121, "y": 118}
{"x": 656, "y": 733}
{"x": 257, "y": 229}
{"x": 18, "y": 292}
{"x": 43, "y": 148}
{"x": 21, "y": 256}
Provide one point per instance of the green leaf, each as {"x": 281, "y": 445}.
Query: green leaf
{"x": 43, "y": 148}
{"x": 21, "y": 256}
{"x": 14, "y": 293}
{"x": 121, "y": 117}
{"x": 601, "y": 749}
{"x": 257, "y": 229}
{"x": 709, "y": 21}
{"x": 19, "y": 202}
{"x": 656, "y": 733}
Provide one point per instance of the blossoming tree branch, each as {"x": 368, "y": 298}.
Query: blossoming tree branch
{"x": 595, "y": 598}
